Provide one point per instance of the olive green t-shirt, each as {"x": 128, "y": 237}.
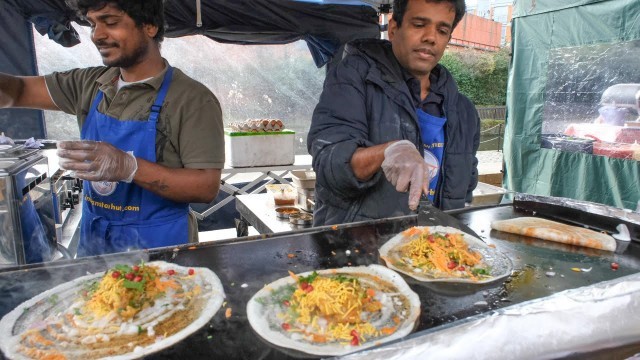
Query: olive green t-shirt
{"x": 189, "y": 133}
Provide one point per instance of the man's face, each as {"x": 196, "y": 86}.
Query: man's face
{"x": 425, "y": 32}
{"x": 120, "y": 42}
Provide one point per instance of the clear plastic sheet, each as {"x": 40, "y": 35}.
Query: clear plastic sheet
{"x": 572, "y": 128}
{"x": 586, "y": 206}
{"x": 581, "y": 320}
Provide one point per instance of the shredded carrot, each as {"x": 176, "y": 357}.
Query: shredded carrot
{"x": 446, "y": 253}
{"x": 294, "y": 276}
{"x": 163, "y": 285}
{"x": 388, "y": 330}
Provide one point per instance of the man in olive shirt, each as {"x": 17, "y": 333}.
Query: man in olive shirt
{"x": 152, "y": 137}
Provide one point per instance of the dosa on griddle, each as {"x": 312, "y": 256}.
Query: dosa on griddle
{"x": 389, "y": 310}
{"x": 59, "y": 324}
{"x": 555, "y": 231}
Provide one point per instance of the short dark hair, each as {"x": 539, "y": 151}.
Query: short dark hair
{"x": 143, "y": 12}
{"x": 400, "y": 6}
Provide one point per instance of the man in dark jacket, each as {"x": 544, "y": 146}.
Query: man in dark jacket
{"x": 390, "y": 108}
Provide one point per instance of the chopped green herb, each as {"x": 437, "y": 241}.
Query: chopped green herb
{"x": 480, "y": 271}
{"x": 133, "y": 285}
{"x": 341, "y": 278}
{"x": 139, "y": 329}
{"x": 308, "y": 279}
{"x": 123, "y": 269}
{"x": 282, "y": 294}
{"x": 53, "y": 299}
{"x": 76, "y": 311}
{"x": 261, "y": 301}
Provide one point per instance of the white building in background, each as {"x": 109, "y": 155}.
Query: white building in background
{"x": 497, "y": 10}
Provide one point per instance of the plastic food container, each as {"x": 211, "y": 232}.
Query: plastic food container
{"x": 486, "y": 194}
{"x": 255, "y": 149}
{"x": 282, "y": 194}
{"x": 304, "y": 179}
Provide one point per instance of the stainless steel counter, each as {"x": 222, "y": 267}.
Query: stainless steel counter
{"x": 259, "y": 211}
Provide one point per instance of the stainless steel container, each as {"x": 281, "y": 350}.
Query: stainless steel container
{"x": 27, "y": 212}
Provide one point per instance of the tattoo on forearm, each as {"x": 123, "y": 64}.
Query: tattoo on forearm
{"x": 157, "y": 186}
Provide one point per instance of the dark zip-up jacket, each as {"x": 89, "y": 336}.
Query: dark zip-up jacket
{"x": 366, "y": 102}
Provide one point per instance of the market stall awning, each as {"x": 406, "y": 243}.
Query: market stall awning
{"x": 324, "y": 25}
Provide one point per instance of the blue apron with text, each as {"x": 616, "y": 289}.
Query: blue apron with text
{"x": 117, "y": 216}
{"x": 432, "y": 132}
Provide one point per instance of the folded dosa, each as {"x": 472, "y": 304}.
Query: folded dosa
{"x": 554, "y": 231}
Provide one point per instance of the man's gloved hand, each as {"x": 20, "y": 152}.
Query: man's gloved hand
{"x": 406, "y": 169}
{"x": 97, "y": 161}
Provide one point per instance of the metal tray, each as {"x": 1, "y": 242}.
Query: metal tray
{"x": 301, "y": 218}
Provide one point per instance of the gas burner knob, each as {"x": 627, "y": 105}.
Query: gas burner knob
{"x": 69, "y": 200}
{"x": 75, "y": 198}
{"x": 66, "y": 204}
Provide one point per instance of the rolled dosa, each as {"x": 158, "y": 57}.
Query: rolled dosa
{"x": 555, "y": 231}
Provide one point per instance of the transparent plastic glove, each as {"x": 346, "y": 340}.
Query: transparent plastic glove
{"x": 406, "y": 169}
{"x": 5, "y": 140}
{"x": 32, "y": 143}
{"x": 97, "y": 161}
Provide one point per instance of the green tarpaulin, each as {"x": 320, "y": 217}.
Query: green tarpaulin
{"x": 563, "y": 137}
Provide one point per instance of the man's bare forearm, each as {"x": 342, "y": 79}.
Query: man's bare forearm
{"x": 25, "y": 92}
{"x": 11, "y": 88}
{"x": 180, "y": 185}
{"x": 365, "y": 162}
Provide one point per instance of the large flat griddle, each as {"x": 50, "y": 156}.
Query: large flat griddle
{"x": 246, "y": 266}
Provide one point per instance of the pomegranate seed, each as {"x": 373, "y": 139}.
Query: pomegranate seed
{"x": 461, "y": 268}
{"x": 355, "y": 341}
{"x": 115, "y": 274}
{"x": 136, "y": 268}
{"x": 452, "y": 265}
{"x": 129, "y": 276}
{"x": 191, "y": 271}
{"x": 286, "y": 326}
{"x": 615, "y": 266}
{"x": 171, "y": 272}
{"x": 137, "y": 278}
{"x": 286, "y": 303}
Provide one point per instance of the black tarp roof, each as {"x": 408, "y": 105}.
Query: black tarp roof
{"x": 324, "y": 25}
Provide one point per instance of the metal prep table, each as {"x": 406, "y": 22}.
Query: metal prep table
{"x": 276, "y": 173}
{"x": 258, "y": 210}
{"x": 246, "y": 265}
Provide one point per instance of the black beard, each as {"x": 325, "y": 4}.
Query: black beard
{"x": 129, "y": 60}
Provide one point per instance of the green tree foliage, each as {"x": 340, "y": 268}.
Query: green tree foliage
{"x": 482, "y": 76}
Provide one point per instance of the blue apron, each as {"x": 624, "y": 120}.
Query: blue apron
{"x": 117, "y": 216}
{"x": 432, "y": 132}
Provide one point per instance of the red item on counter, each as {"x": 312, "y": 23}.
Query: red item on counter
{"x": 614, "y": 150}
{"x": 605, "y": 132}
